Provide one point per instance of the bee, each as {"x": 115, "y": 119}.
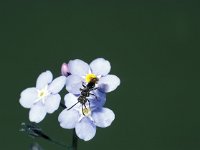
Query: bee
{"x": 85, "y": 93}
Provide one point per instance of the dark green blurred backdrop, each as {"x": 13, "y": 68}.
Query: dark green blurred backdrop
{"x": 152, "y": 46}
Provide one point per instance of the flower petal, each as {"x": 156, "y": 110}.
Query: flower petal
{"x": 28, "y": 97}
{"x": 57, "y": 84}
{"x": 100, "y": 66}
{"x": 44, "y": 79}
{"x": 52, "y": 103}
{"x": 78, "y": 67}
{"x": 103, "y": 117}
{"x": 70, "y": 100}
{"x": 108, "y": 83}
{"x": 98, "y": 100}
{"x": 37, "y": 112}
{"x": 85, "y": 129}
{"x": 68, "y": 118}
{"x": 73, "y": 84}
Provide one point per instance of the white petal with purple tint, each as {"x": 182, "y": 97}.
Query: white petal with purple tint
{"x": 78, "y": 67}
{"x": 73, "y": 84}
{"x": 37, "y": 112}
{"x": 44, "y": 79}
{"x": 68, "y": 118}
{"x": 70, "y": 100}
{"x": 57, "y": 85}
{"x": 28, "y": 97}
{"x": 100, "y": 66}
{"x": 85, "y": 129}
{"x": 52, "y": 103}
{"x": 108, "y": 83}
{"x": 103, "y": 117}
{"x": 98, "y": 100}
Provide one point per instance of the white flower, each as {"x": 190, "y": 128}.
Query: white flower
{"x": 82, "y": 72}
{"x": 84, "y": 119}
{"x": 43, "y": 98}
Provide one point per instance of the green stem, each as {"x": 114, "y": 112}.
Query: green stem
{"x": 74, "y": 140}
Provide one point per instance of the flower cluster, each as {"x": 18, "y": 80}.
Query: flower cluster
{"x": 87, "y": 85}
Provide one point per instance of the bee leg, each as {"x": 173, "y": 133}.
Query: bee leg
{"x": 94, "y": 95}
{"x": 85, "y": 106}
{"x": 72, "y": 106}
{"x": 89, "y": 103}
{"x": 83, "y": 85}
{"x": 83, "y": 111}
{"x": 92, "y": 89}
{"x": 95, "y": 88}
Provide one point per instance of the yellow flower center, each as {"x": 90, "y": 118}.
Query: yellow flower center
{"x": 42, "y": 93}
{"x": 86, "y": 111}
{"x": 89, "y": 77}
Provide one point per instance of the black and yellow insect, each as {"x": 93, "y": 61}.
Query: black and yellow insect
{"x": 85, "y": 93}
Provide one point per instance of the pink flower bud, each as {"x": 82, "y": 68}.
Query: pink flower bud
{"x": 65, "y": 70}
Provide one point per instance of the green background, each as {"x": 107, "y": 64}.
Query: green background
{"x": 153, "y": 48}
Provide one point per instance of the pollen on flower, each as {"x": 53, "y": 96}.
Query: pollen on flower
{"x": 89, "y": 77}
{"x": 42, "y": 93}
{"x": 86, "y": 111}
